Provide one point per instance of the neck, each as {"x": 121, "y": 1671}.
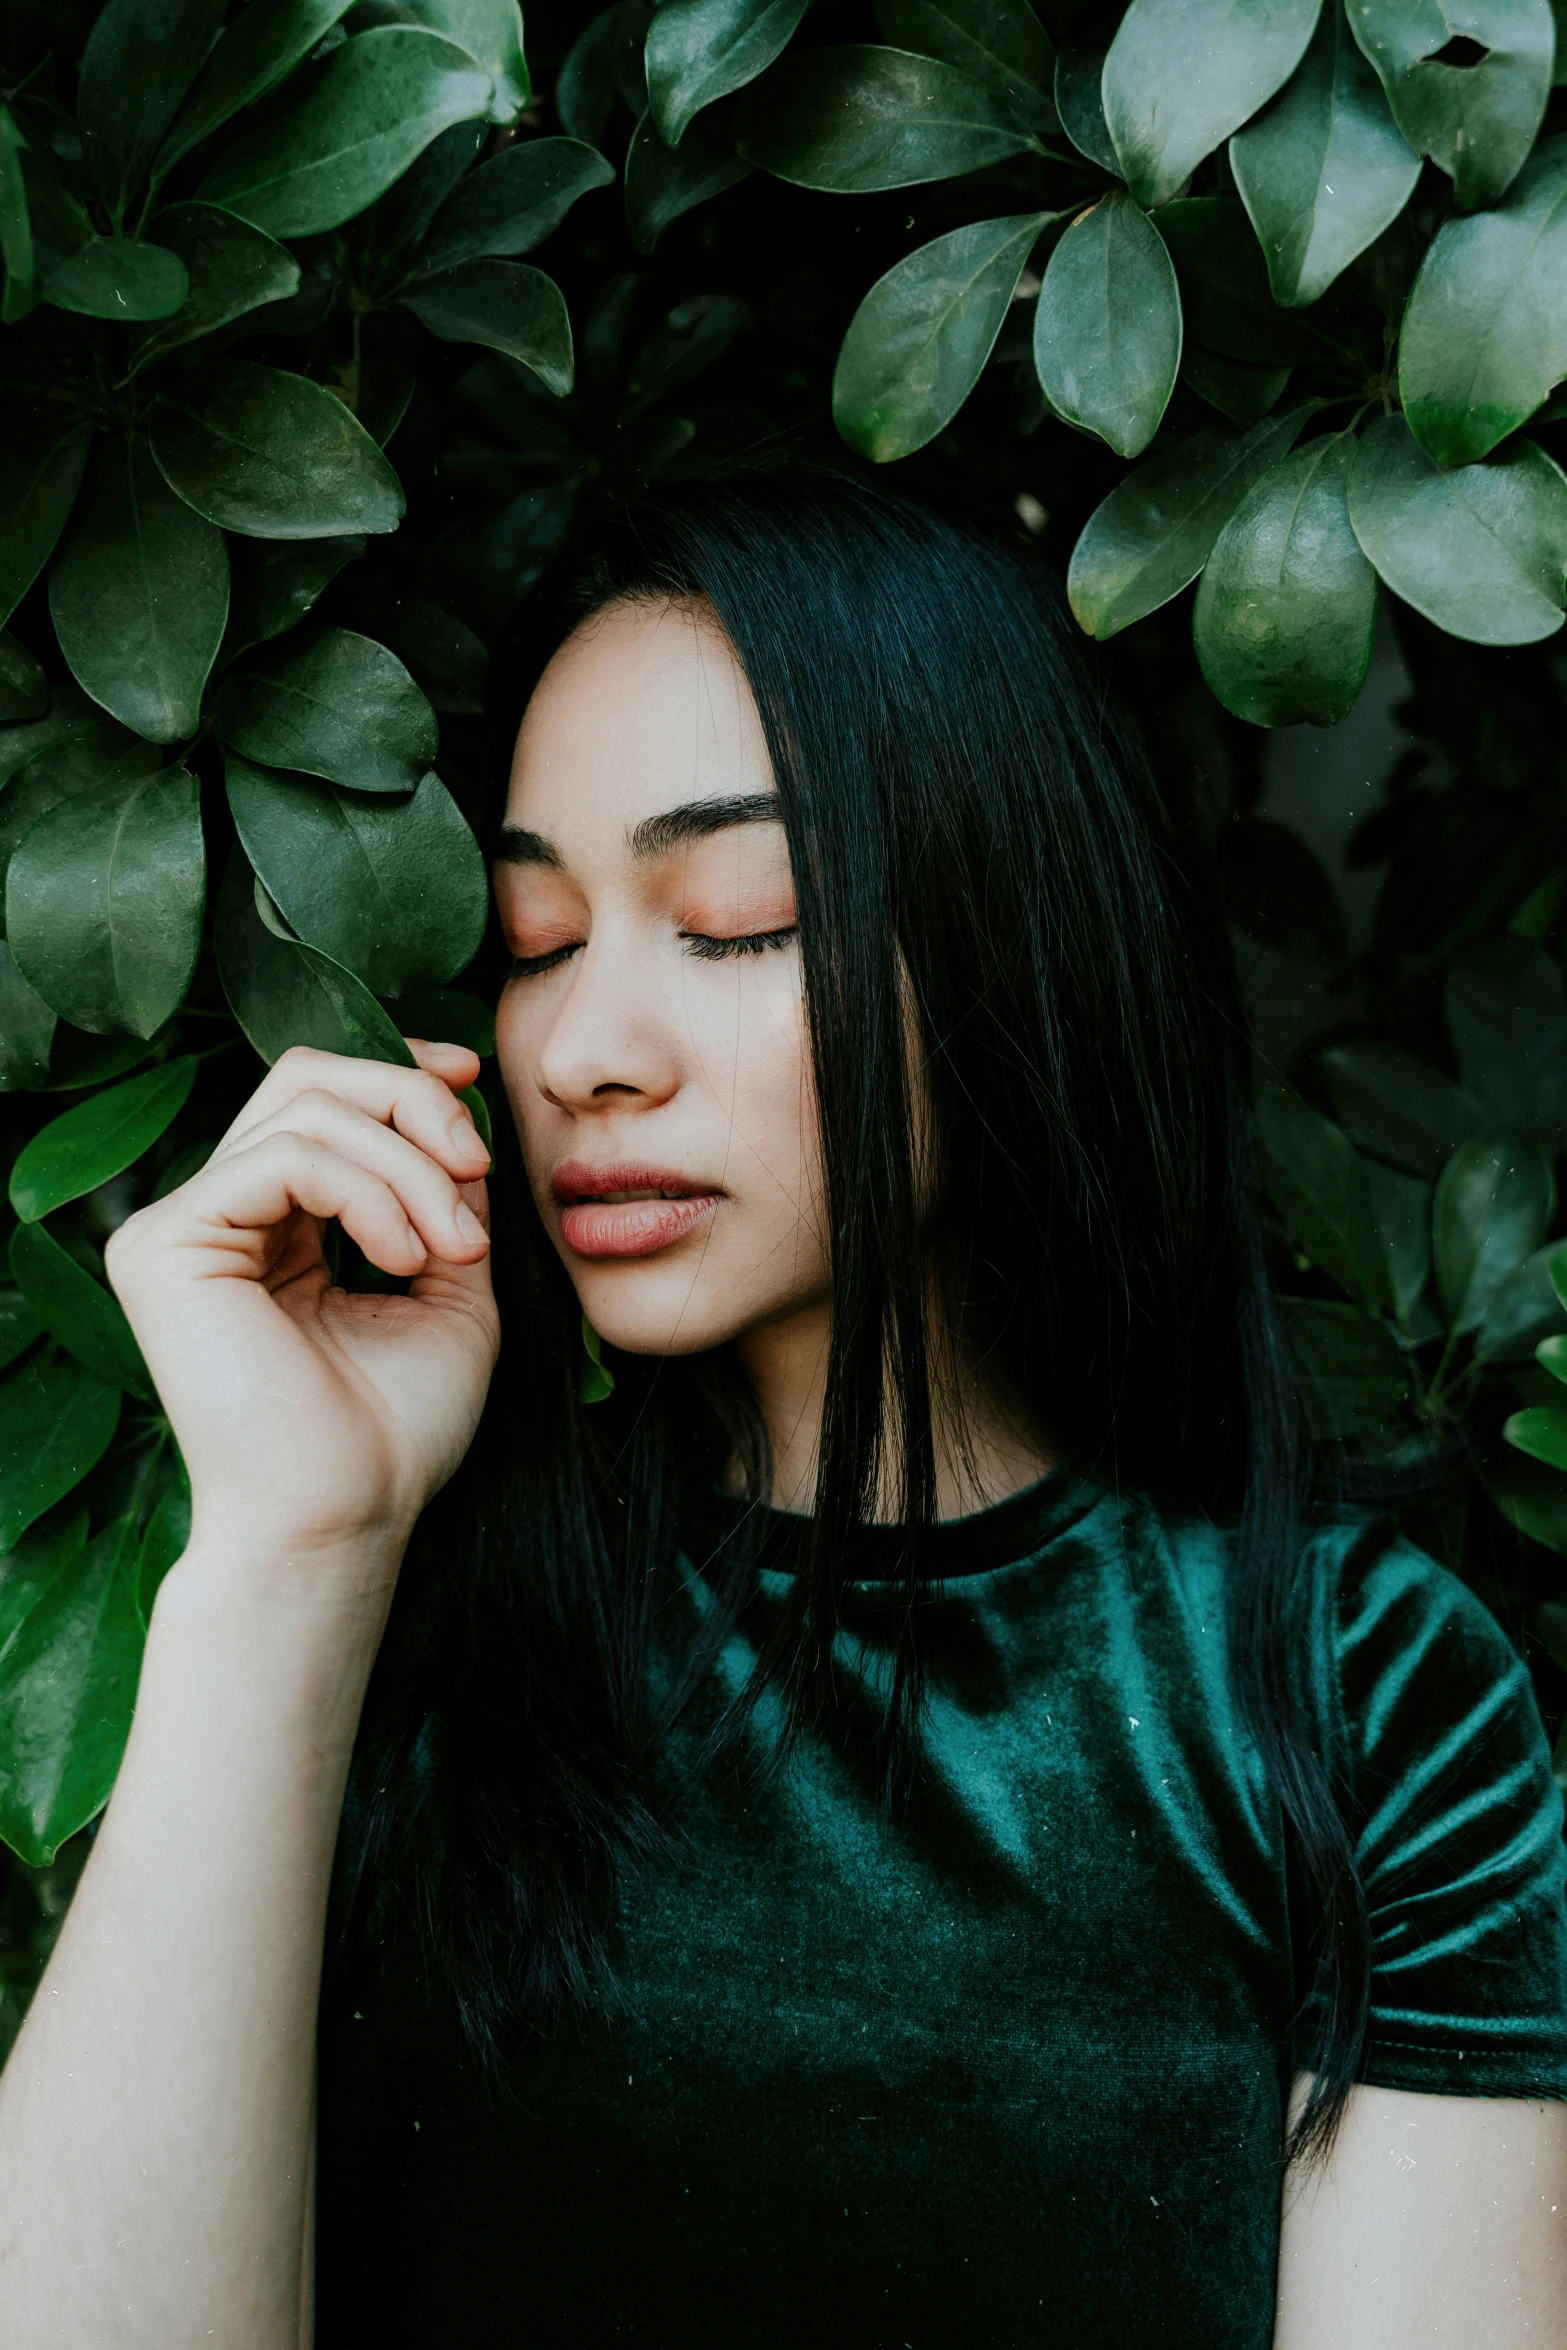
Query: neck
{"x": 986, "y": 1449}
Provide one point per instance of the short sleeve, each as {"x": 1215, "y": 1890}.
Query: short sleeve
{"x": 1457, "y": 1822}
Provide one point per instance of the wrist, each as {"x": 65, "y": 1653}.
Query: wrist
{"x": 300, "y": 1619}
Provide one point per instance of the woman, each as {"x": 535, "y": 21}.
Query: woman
{"x": 874, "y": 1831}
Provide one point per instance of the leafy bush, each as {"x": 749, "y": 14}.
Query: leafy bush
{"x": 1256, "y": 294}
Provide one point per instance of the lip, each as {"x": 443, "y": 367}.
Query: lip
{"x": 595, "y": 1226}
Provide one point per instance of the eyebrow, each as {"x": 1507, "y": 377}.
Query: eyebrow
{"x": 655, "y": 836}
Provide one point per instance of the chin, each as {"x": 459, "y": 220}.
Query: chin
{"x": 647, "y": 1310}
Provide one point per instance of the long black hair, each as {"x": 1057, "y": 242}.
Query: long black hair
{"x": 976, "y": 844}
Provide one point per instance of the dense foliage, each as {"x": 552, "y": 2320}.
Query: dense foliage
{"x": 1257, "y": 294}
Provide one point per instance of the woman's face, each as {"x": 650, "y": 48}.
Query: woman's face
{"x": 652, "y": 1036}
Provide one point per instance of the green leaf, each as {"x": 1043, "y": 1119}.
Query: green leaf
{"x": 272, "y": 455}
{"x": 140, "y": 596}
{"x": 1398, "y": 1107}
{"x": 163, "y": 1543}
{"x": 77, "y": 1310}
{"x": 99, "y": 1138}
{"x": 40, "y": 472}
{"x": 1225, "y": 294}
{"x": 58, "y": 223}
{"x": 1507, "y": 1017}
{"x": 26, "y": 1572}
{"x": 1156, "y": 529}
{"x": 141, "y": 58}
{"x": 116, "y": 277}
{"x": 1287, "y": 604}
{"x": 1477, "y": 122}
{"x": 858, "y": 118}
{"x": 1481, "y": 550}
{"x": 284, "y": 993}
{"x": 1000, "y": 42}
{"x": 1524, "y": 1310}
{"x": 1179, "y": 79}
{"x": 918, "y": 343}
{"x": 56, "y": 1423}
{"x": 1079, "y": 96}
{"x": 16, "y": 227}
{"x": 70, "y": 714}
{"x": 19, "y": 1327}
{"x": 24, "y": 689}
{"x": 595, "y": 1380}
{"x": 1318, "y": 1182}
{"x": 1357, "y": 1381}
{"x": 1484, "y": 337}
{"x": 233, "y": 269}
{"x": 662, "y": 183}
{"x": 1107, "y": 329}
{"x": 376, "y": 104}
{"x": 1243, "y": 394}
{"x": 701, "y": 50}
{"x": 27, "y": 1026}
{"x": 513, "y": 202}
{"x": 1552, "y": 1355}
{"x": 595, "y": 68}
{"x": 479, "y": 1110}
{"x": 340, "y": 706}
{"x": 1493, "y": 1203}
{"x": 506, "y": 305}
{"x": 263, "y": 44}
{"x": 1534, "y": 1501}
{"x": 396, "y": 890}
{"x": 447, "y": 1015}
{"x": 1325, "y": 169}
{"x": 491, "y": 32}
{"x": 67, "y": 1692}
{"x": 104, "y": 901}
{"x": 1541, "y": 1432}
{"x": 1401, "y": 1205}
{"x": 274, "y": 583}
{"x": 89, "y": 754}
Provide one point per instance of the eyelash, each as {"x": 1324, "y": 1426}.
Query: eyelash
{"x": 707, "y": 950}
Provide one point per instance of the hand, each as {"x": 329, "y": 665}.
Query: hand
{"x": 313, "y": 1421}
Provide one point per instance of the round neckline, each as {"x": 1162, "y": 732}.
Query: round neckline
{"x": 1002, "y": 1534}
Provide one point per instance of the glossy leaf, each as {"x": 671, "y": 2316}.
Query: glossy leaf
{"x": 272, "y": 455}
{"x": 491, "y": 32}
{"x": 97, "y": 1139}
{"x": 1286, "y": 606}
{"x": 56, "y": 1422}
{"x": 1079, "y": 97}
{"x": 1325, "y": 168}
{"x": 1178, "y": 80}
{"x": 376, "y": 104}
{"x": 513, "y": 202}
{"x": 41, "y": 469}
{"x": 448, "y": 1015}
{"x": 1478, "y": 120}
{"x": 264, "y": 43}
{"x": 87, "y": 1319}
{"x": 98, "y": 753}
{"x": 505, "y": 305}
{"x": 233, "y": 268}
{"x": 27, "y": 1026}
{"x": 1507, "y": 1017}
{"x": 1493, "y": 1203}
{"x": 595, "y": 1379}
{"x": 1107, "y": 328}
{"x": 1481, "y": 550}
{"x": 663, "y": 183}
{"x": 1156, "y": 529}
{"x": 1244, "y": 394}
{"x": 1318, "y": 1182}
{"x": 19, "y": 1327}
{"x": 47, "y": 1548}
{"x": 140, "y": 596}
{"x": 1526, "y": 1309}
{"x": 858, "y": 118}
{"x": 919, "y": 341}
{"x": 119, "y": 278}
{"x": 340, "y": 706}
{"x": 1484, "y": 338}
{"x": 1401, "y": 1206}
{"x": 24, "y": 689}
{"x": 163, "y": 1544}
{"x": 1399, "y": 1107}
{"x": 1225, "y": 295}
{"x": 16, "y": 227}
{"x": 141, "y": 58}
{"x": 283, "y": 993}
{"x": 1356, "y": 1378}
{"x": 104, "y": 901}
{"x": 595, "y": 70}
{"x": 396, "y": 890}
{"x": 701, "y": 50}
{"x": 1000, "y": 42}
{"x": 67, "y": 1693}
{"x": 1540, "y": 1431}
{"x": 273, "y": 584}
{"x": 1533, "y": 1500}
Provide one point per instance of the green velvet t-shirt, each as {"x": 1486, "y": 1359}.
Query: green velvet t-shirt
{"x": 1011, "y": 2068}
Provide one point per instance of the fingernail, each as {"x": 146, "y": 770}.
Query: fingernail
{"x": 468, "y": 1224}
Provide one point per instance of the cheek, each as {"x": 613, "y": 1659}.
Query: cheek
{"x": 757, "y": 1065}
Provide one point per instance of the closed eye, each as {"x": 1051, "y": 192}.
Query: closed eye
{"x": 529, "y": 966}
{"x": 754, "y": 942}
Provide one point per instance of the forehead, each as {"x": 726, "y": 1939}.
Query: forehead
{"x": 645, "y": 707}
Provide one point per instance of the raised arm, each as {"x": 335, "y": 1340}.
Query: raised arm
{"x": 155, "y": 2115}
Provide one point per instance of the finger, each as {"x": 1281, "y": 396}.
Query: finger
{"x": 235, "y": 1204}
{"x": 444, "y": 1278}
{"x": 454, "y": 1064}
{"x": 416, "y": 1102}
{"x": 424, "y": 1185}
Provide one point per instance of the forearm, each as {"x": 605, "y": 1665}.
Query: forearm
{"x": 155, "y": 2114}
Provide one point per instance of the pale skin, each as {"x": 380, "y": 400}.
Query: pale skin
{"x": 155, "y": 2118}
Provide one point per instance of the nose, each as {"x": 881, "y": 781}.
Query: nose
{"x": 607, "y": 1045}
